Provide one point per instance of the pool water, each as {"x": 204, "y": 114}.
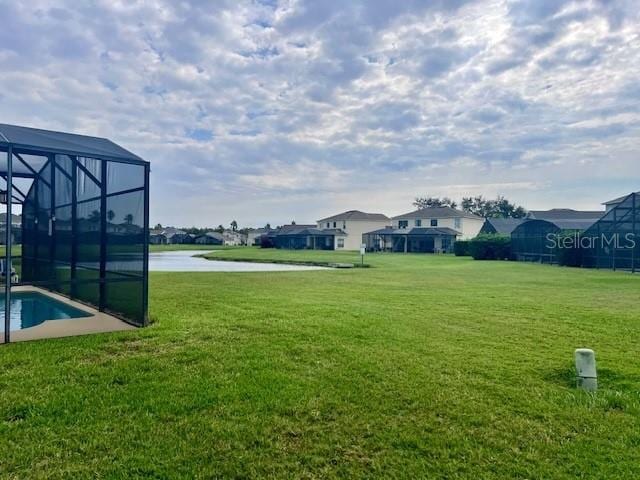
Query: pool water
{"x": 29, "y": 309}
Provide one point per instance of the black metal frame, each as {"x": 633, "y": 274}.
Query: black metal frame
{"x": 407, "y": 242}
{"x": 32, "y": 201}
{"x": 605, "y": 244}
{"x": 529, "y": 241}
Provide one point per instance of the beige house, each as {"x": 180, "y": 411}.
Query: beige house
{"x": 430, "y": 230}
{"x": 467, "y": 224}
{"x": 353, "y": 224}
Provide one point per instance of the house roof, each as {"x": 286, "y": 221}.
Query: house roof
{"x": 430, "y": 231}
{"x": 286, "y": 228}
{"x": 562, "y": 224}
{"x": 566, "y": 214}
{"x": 437, "y": 212}
{"x": 504, "y": 225}
{"x": 615, "y": 201}
{"x": 356, "y": 215}
{"x": 312, "y": 231}
{"x": 216, "y": 235}
{"x": 36, "y": 139}
{"x": 171, "y": 233}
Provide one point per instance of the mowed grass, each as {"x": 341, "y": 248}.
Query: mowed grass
{"x": 317, "y": 257}
{"x": 419, "y": 367}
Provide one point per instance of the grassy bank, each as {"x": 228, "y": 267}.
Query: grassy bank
{"x": 423, "y": 366}
{"x": 295, "y": 257}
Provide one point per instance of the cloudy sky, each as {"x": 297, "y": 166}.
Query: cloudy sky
{"x": 273, "y": 110}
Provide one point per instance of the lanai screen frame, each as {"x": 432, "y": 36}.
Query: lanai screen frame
{"x": 15, "y": 153}
{"x": 529, "y": 241}
{"x": 605, "y": 244}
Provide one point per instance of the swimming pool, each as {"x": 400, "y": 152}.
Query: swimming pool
{"x": 29, "y": 309}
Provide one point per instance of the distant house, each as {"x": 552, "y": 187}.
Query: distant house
{"x": 501, "y": 226}
{"x": 351, "y": 225}
{"x": 157, "y": 237}
{"x": 307, "y": 237}
{"x": 176, "y": 237}
{"x": 254, "y": 235}
{"x": 209, "y": 238}
{"x": 428, "y": 230}
{"x": 16, "y": 229}
{"x": 234, "y": 238}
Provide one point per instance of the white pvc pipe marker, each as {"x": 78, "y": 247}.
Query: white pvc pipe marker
{"x": 586, "y": 369}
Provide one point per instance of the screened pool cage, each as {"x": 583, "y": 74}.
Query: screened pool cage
{"x": 85, "y": 220}
{"x": 611, "y": 242}
{"x": 614, "y": 240}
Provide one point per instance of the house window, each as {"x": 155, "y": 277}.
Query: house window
{"x": 403, "y": 223}
{"x": 418, "y": 223}
{"x": 341, "y": 243}
{"x": 434, "y": 222}
{"x": 335, "y": 224}
{"x": 328, "y": 225}
{"x": 344, "y": 225}
{"x": 457, "y": 223}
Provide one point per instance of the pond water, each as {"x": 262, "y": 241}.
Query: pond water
{"x": 184, "y": 261}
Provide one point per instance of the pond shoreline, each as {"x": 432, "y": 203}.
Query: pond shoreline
{"x": 197, "y": 261}
{"x": 307, "y": 263}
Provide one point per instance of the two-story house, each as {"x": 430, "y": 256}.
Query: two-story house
{"x": 353, "y": 224}
{"x": 428, "y": 230}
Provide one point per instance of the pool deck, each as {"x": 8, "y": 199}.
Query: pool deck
{"x": 98, "y": 323}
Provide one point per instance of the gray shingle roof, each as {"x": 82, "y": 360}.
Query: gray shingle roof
{"x": 287, "y": 228}
{"x": 562, "y": 224}
{"x": 437, "y": 212}
{"x": 415, "y": 231}
{"x": 312, "y": 231}
{"x": 566, "y": 214}
{"x": 504, "y": 225}
{"x": 356, "y": 215}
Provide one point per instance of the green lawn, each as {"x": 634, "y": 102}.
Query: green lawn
{"x": 257, "y": 254}
{"x": 421, "y": 366}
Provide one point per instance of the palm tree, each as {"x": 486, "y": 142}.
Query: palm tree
{"x": 111, "y": 215}
{"x": 128, "y": 219}
{"x": 234, "y": 225}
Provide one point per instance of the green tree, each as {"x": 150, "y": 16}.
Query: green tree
{"x": 427, "y": 202}
{"x": 234, "y": 225}
{"x": 111, "y": 215}
{"x": 498, "y": 208}
{"x": 128, "y": 219}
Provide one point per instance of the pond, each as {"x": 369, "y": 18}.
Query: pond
{"x": 184, "y": 261}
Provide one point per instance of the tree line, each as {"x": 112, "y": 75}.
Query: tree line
{"x": 499, "y": 207}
